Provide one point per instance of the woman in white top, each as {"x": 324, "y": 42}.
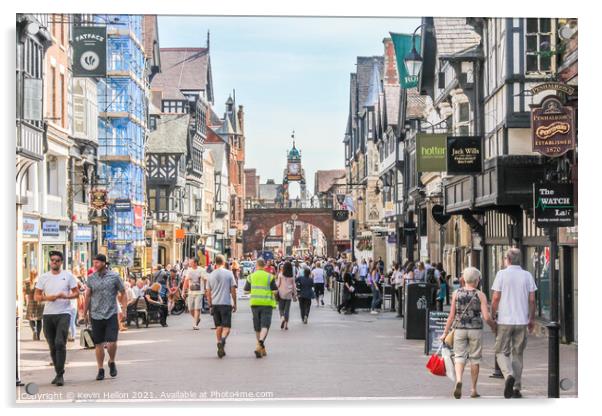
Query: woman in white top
{"x": 317, "y": 275}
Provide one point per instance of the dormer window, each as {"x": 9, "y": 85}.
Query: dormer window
{"x": 173, "y": 106}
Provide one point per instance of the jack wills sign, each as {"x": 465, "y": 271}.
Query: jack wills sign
{"x": 553, "y": 204}
{"x": 552, "y": 127}
{"x": 464, "y": 155}
{"x": 89, "y": 51}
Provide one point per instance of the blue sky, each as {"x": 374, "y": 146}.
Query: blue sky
{"x": 288, "y": 73}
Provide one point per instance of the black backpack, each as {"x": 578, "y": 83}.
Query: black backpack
{"x": 430, "y": 277}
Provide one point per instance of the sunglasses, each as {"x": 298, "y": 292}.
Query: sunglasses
{"x": 56, "y": 260}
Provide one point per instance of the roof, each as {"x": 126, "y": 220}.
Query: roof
{"x": 214, "y": 119}
{"x": 416, "y": 104}
{"x": 214, "y": 137}
{"x": 453, "y": 35}
{"x": 171, "y": 135}
{"x": 226, "y": 128}
{"x": 324, "y": 179}
{"x": 374, "y": 86}
{"x": 365, "y": 75}
{"x": 182, "y": 69}
{"x": 392, "y": 96}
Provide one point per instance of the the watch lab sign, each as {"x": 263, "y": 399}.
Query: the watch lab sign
{"x": 553, "y": 204}
{"x": 553, "y": 127}
{"x": 89, "y": 51}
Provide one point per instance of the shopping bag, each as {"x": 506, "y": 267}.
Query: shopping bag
{"x": 446, "y": 353}
{"x": 435, "y": 364}
{"x": 85, "y": 338}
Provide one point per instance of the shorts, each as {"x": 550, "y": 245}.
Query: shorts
{"x": 262, "y": 317}
{"x": 195, "y": 300}
{"x": 105, "y": 330}
{"x": 222, "y": 315}
{"x": 319, "y": 289}
{"x": 468, "y": 344}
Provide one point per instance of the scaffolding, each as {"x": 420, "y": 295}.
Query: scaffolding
{"x": 122, "y": 106}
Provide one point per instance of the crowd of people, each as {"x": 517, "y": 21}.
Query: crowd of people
{"x": 59, "y": 300}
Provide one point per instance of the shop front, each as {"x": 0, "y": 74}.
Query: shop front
{"x": 54, "y": 238}
{"x": 82, "y": 249}
{"x": 31, "y": 237}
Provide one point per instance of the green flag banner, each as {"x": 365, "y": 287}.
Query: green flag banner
{"x": 403, "y": 45}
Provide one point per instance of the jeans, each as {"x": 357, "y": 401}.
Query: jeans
{"x": 511, "y": 339}
{"x": 284, "y": 306}
{"x": 56, "y": 328}
{"x": 375, "y": 297}
{"x": 73, "y": 314}
{"x": 304, "y": 306}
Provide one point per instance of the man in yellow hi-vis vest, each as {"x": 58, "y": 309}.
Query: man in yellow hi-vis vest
{"x": 262, "y": 286}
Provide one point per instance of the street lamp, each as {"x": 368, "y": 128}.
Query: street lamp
{"x": 413, "y": 60}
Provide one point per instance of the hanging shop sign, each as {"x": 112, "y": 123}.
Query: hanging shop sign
{"x": 431, "y": 152}
{"x": 122, "y": 205}
{"x": 553, "y": 127}
{"x": 50, "y": 229}
{"x": 31, "y": 227}
{"x": 89, "y": 51}
{"x": 553, "y": 204}
{"x": 437, "y": 211}
{"x": 340, "y": 215}
{"x": 556, "y": 86}
{"x": 180, "y": 233}
{"x": 138, "y": 216}
{"x": 83, "y": 234}
{"x": 464, "y": 155}
{"x": 403, "y": 44}
{"x": 98, "y": 198}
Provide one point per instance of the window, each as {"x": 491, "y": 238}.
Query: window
{"x": 463, "y": 119}
{"x": 172, "y": 106}
{"x": 62, "y": 100}
{"x": 152, "y": 123}
{"x": 152, "y": 199}
{"x": 540, "y": 42}
{"x": 52, "y": 180}
{"x": 52, "y": 94}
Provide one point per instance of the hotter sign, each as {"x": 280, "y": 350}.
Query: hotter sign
{"x": 553, "y": 128}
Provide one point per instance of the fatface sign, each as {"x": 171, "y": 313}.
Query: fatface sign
{"x": 340, "y": 215}
{"x": 431, "y": 152}
{"x": 553, "y": 204}
{"x": 464, "y": 155}
{"x": 553, "y": 127}
{"x": 439, "y": 215}
{"x": 89, "y": 51}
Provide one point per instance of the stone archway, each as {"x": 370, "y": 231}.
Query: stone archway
{"x": 258, "y": 223}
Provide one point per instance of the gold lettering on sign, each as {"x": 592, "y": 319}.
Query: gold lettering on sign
{"x": 545, "y": 132}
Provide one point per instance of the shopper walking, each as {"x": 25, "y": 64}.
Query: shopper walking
{"x": 513, "y": 303}
{"x": 221, "y": 296}
{"x": 101, "y": 304}
{"x": 56, "y": 287}
{"x": 373, "y": 282}
{"x": 306, "y": 293}
{"x": 363, "y": 270}
{"x": 317, "y": 275}
{"x": 348, "y": 291}
{"x": 287, "y": 293}
{"x": 262, "y": 287}
{"x": 194, "y": 289}
{"x": 468, "y": 311}
{"x": 35, "y": 309}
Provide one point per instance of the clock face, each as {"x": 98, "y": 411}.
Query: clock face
{"x": 293, "y": 168}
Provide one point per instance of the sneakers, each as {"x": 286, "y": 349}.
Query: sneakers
{"x": 458, "y": 390}
{"x": 59, "y": 381}
{"x": 373, "y": 312}
{"x": 220, "y": 349}
{"x": 101, "y": 374}
{"x": 305, "y": 319}
{"x": 508, "y": 386}
{"x": 516, "y": 394}
{"x": 195, "y": 327}
{"x": 112, "y": 369}
{"x": 257, "y": 351}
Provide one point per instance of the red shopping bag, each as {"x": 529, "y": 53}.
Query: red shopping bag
{"x": 436, "y": 364}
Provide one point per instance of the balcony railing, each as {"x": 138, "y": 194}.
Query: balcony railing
{"x": 29, "y": 142}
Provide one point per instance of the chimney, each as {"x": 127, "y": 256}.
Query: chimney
{"x": 208, "y": 39}
{"x": 241, "y": 119}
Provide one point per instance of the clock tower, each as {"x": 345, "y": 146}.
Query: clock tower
{"x": 294, "y": 171}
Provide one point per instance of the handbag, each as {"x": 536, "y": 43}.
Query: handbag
{"x": 449, "y": 339}
{"x": 446, "y": 353}
{"x": 436, "y": 364}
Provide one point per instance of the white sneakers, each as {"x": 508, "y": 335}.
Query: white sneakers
{"x": 373, "y": 313}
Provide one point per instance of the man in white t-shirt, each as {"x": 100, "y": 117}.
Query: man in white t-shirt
{"x": 513, "y": 302}
{"x": 56, "y": 287}
{"x": 317, "y": 275}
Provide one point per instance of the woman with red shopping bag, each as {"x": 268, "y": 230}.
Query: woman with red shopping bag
{"x": 466, "y": 336}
